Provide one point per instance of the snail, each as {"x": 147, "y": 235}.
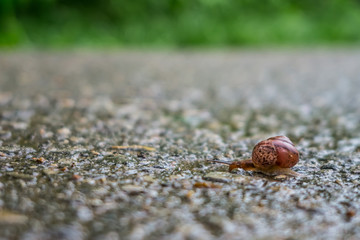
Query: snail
{"x": 273, "y": 156}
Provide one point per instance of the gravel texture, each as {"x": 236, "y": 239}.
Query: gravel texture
{"x": 65, "y": 118}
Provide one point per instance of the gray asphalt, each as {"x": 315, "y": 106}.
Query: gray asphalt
{"x": 62, "y": 113}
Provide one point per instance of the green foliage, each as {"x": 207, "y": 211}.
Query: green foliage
{"x": 178, "y": 23}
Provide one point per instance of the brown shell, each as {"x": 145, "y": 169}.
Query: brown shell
{"x": 275, "y": 151}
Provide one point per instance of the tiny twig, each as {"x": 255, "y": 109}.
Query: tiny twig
{"x": 134, "y": 147}
{"x": 218, "y": 161}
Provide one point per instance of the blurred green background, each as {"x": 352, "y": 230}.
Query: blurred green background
{"x": 178, "y": 23}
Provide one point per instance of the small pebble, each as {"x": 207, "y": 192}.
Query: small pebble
{"x": 281, "y": 177}
{"x": 7, "y": 217}
{"x": 132, "y": 189}
{"x": 218, "y": 177}
{"x": 84, "y": 214}
{"x": 63, "y": 132}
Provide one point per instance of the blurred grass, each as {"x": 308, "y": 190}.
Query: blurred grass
{"x": 177, "y": 23}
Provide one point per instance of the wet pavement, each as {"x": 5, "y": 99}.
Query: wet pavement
{"x": 113, "y": 145}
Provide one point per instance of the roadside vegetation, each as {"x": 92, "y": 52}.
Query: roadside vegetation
{"x": 177, "y": 23}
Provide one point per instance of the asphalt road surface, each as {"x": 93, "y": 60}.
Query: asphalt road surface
{"x": 114, "y": 145}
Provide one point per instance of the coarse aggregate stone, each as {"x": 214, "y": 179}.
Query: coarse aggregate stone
{"x": 62, "y": 113}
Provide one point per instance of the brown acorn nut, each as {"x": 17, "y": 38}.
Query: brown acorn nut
{"x": 273, "y": 156}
